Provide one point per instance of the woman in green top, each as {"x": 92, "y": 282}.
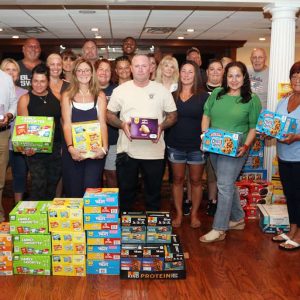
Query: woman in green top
{"x": 233, "y": 108}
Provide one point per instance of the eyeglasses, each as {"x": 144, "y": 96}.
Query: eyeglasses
{"x": 69, "y": 58}
{"x": 85, "y": 71}
{"x": 295, "y": 77}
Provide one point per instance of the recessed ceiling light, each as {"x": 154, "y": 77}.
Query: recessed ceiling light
{"x": 180, "y": 38}
{"x": 94, "y": 29}
{"x": 190, "y": 30}
{"x": 262, "y": 39}
{"x": 1, "y": 29}
{"x": 15, "y": 37}
{"x": 98, "y": 37}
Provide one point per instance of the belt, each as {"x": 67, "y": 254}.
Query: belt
{"x": 4, "y": 128}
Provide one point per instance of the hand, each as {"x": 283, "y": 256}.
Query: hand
{"x": 28, "y": 152}
{"x": 99, "y": 153}
{"x": 242, "y": 151}
{"x": 77, "y": 155}
{"x": 263, "y": 136}
{"x": 5, "y": 121}
{"x": 159, "y": 131}
{"x": 126, "y": 128}
{"x": 289, "y": 138}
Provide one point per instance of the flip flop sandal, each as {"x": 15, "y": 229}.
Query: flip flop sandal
{"x": 213, "y": 236}
{"x": 280, "y": 238}
{"x": 296, "y": 246}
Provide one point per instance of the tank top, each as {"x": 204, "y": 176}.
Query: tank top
{"x": 79, "y": 115}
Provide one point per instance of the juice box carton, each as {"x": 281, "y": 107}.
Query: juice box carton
{"x": 6, "y": 244}
{"x": 131, "y": 257}
{"x": 68, "y": 242}
{"x": 133, "y": 219}
{"x": 143, "y": 128}
{"x": 101, "y": 197}
{"x": 133, "y": 234}
{"x": 32, "y": 244}
{"x": 101, "y": 226}
{"x": 159, "y": 234}
{"x": 33, "y": 132}
{"x": 66, "y": 215}
{"x": 221, "y": 142}
{"x": 101, "y": 209}
{"x": 29, "y": 217}
{"x": 32, "y": 264}
{"x": 6, "y": 264}
{"x": 153, "y": 258}
{"x": 100, "y": 218}
{"x": 105, "y": 267}
{"x": 69, "y": 265}
{"x": 87, "y": 136}
{"x": 158, "y": 218}
{"x": 275, "y": 125}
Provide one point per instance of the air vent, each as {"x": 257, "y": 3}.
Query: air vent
{"x": 30, "y": 29}
{"x": 159, "y": 30}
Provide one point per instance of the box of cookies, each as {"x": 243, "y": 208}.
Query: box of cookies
{"x": 103, "y": 249}
{"x": 275, "y": 125}
{"x": 257, "y": 147}
{"x": 143, "y": 128}
{"x": 68, "y": 242}
{"x": 254, "y": 162}
{"x": 103, "y": 266}
{"x": 221, "y": 142}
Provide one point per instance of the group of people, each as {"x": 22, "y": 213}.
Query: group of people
{"x": 185, "y": 100}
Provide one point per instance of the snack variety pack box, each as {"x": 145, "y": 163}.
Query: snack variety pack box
{"x": 153, "y": 258}
{"x": 32, "y": 244}
{"x": 103, "y": 256}
{"x": 159, "y": 234}
{"x": 133, "y": 219}
{"x": 95, "y": 197}
{"x": 101, "y": 218}
{"x": 134, "y": 234}
{"x": 275, "y": 125}
{"x": 103, "y": 249}
{"x": 29, "y": 217}
{"x": 66, "y": 214}
{"x": 254, "y": 162}
{"x": 143, "y": 128}
{"x": 101, "y": 226}
{"x": 87, "y": 137}
{"x": 6, "y": 247}
{"x": 32, "y": 264}
{"x": 174, "y": 257}
{"x": 107, "y": 267}
{"x": 131, "y": 257}
{"x": 33, "y": 132}
{"x": 257, "y": 147}
{"x": 101, "y": 209}
{"x": 104, "y": 237}
{"x": 6, "y": 244}
{"x": 68, "y": 242}
{"x": 221, "y": 142}
{"x": 6, "y": 264}
{"x": 69, "y": 265}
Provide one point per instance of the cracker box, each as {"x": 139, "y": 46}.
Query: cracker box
{"x": 68, "y": 243}
{"x": 103, "y": 249}
{"x": 6, "y": 264}
{"x": 87, "y": 136}
{"x": 273, "y": 218}
{"x": 143, "y": 128}
{"x": 153, "y": 258}
{"x": 101, "y": 226}
{"x": 158, "y": 218}
{"x": 159, "y": 234}
{"x": 32, "y": 264}
{"x": 6, "y": 244}
{"x": 275, "y": 125}
{"x": 33, "y": 132}
{"x": 101, "y": 209}
{"x": 104, "y": 267}
{"x": 32, "y": 244}
{"x": 29, "y": 217}
{"x": 134, "y": 234}
{"x": 66, "y": 215}
{"x": 101, "y": 197}
{"x": 131, "y": 257}
{"x": 133, "y": 219}
{"x": 221, "y": 142}
{"x": 100, "y": 218}
{"x": 257, "y": 174}
{"x": 69, "y": 265}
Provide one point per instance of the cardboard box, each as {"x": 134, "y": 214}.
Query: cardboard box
{"x": 66, "y": 214}
{"x": 174, "y": 257}
{"x": 69, "y": 265}
{"x": 273, "y": 218}
{"x": 159, "y": 234}
{"x": 101, "y": 226}
{"x": 29, "y": 217}
{"x": 251, "y": 212}
{"x": 134, "y": 234}
{"x": 68, "y": 243}
{"x": 166, "y": 274}
{"x": 133, "y": 219}
{"x": 32, "y": 244}
{"x": 87, "y": 136}
{"x": 6, "y": 264}
{"x": 103, "y": 241}
{"x": 131, "y": 257}
{"x": 257, "y": 174}
{"x": 32, "y": 264}
{"x": 105, "y": 256}
{"x": 4, "y": 227}
{"x": 101, "y": 197}
{"x": 143, "y": 128}
{"x": 101, "y": 209}
{"x": 221, "y": 142}
{"x": 158, "y": 218}
{"x": 257, "y": 147}
{"x": 104, "y": 267}
{"x": 33, "y": 132}
{"x": 103, "y": 249}
{"x": 153, "y": 258}
{"x": 103, "y": 233}
{"x": 275, "y": 125}
{"x": 100, "y": 218}
{"x": 254, "y": 162}
{"x": 6, "y": 244}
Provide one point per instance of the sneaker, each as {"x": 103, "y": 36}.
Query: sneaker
{"x": 186, "y": 207}
{"x": 211, "y": 208}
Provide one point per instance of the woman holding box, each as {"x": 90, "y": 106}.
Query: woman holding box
{"x": 232, "y": 108}
{"x": 44, "y": 168}
{"x": 83, "y": 102}
{"x": 288, "y": 151}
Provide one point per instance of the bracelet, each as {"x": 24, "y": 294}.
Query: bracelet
{"x": 104, "y": 151}
{"x": 71, "y": 145}
{"x": 246, "y": 147}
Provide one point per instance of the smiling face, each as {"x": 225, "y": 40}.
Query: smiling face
{"x": 68, "y": 63}
{"x": 83, "y": 73}
{"x": 32, "y": 49}
{"x": 39, "y": 84}
{"x": 187, "y": 74}
{"x": 140, "y": 68}
{"x": 12, "y": 70}
{"x": 215, "y": 73}
{"x": 123, "y": 70}
{"x": 103, "y": 74}
{"x": 90, "y": 51}
{"x": 295, "y": 82}
{"x": 168, "y": 69}
{"x": 55, "y": 65}
{"x": 235, "y": 80}
{"x": 258, "y": 59}
{"x": 129, "y": 46}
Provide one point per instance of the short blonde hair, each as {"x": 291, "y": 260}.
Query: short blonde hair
{"x": 165, "y": 60}
{"x": 53, "y": 56}
{"x": 9, "y": 61}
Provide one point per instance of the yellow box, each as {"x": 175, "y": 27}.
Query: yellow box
{"x": 68, "y": 242}
{"x": 87, "y": 136}
{"x": 101, "y": 256}
{"x": 69, "y": 265}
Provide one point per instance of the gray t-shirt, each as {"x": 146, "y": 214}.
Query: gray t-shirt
{"x": 25, "y": 76}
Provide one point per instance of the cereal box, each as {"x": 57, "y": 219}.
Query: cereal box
{"x": 6, "y": 264}
{"x": 143, "y": 128}
{"x": 33, "y": 132}
{"x": 69, "y": 265}
{"x": 29, "y": 217}
{"x": 87, "y": 137}
{"x": 101, "y": 197}
{"x": 32, "y": 244}
{"x": 66, "y": 214}
{"x": 221, "y": 142}
{"x": 104, "y": 267}
{"x": 133, "y": 219}
{"x": 133, "y": 234}
{"x": 159, "y": 234}
{"x": 68, "y": 242}
{"x": 275, "y": 125}
{"x": 32, "y": 264}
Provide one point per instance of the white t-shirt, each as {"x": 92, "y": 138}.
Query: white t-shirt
{"x": 151, "y": 101}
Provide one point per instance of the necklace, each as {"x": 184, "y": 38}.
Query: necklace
{"x": 44, "y": 99}
{"x": 83, "y": 95}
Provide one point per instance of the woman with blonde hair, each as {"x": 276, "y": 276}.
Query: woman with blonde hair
{"x": 83, "y": 101}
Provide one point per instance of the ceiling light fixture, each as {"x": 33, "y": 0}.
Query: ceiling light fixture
{"x": 262, "y": 39}
{"x": 1, "y": 29}
{"x": 98, "y": 36}
{"x": 94, "y": 29}
{"x": 180, "y": 38}
{"x": 190, "y": 30}
{"x": 15, "y": 37}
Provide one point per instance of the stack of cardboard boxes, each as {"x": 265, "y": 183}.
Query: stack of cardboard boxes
{"x": 6, "y": 246}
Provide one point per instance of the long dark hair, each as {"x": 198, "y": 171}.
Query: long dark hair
{"x": 197, "y": 86}
{"x": 246, "y": 93}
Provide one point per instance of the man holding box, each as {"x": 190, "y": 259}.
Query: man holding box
{"x": 8, "y": 105}
{"x": 136, "y": 99}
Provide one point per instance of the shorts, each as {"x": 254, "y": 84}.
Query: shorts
{"x": 110, "y": 162}
{"x": 186, "y": 157}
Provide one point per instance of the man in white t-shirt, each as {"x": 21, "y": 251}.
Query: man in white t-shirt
{"x": 259, "y": 75}
{"x": 140, "y": 97}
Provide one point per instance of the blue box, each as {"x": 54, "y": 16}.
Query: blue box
{"x": 104, "y": 267}
{"x": 103, "y": 233}
{"x": 134, "y": 234}
{"x": 254, "y": 162}
{"x": 103, "y": 249}
{"x": 257, "y": 147}
{"x": 100, "y": 218}
{"x": 101, "y": 197}
{"x": 159, "y": 234}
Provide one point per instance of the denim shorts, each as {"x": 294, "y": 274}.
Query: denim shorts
{"x": 186, "y": 157}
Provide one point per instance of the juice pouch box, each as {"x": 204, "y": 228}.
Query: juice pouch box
{"x": 33, "y": 132}
{"x": 32, "y": 264}
{"x": 275, "y": 125}
{"x": 101, "y": 197}
{"x": 32, "y": 244}
{"x": 69, "y": 265}
{"x": 30, "y": 217}
{"x": 133, "y": 219}
{"x": 131, "y": 257}
{"x": 143, "y": 128}
{"x": 87, "y": 136}
{"x": 68, "y": 242}
{"x": 66, "y": 214}
{"x": 221, "y": 142}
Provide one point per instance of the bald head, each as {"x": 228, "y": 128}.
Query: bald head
{"x": 31, "y": 50}
{"x": 140, "y": 68}
{"x": 258, "y": 59}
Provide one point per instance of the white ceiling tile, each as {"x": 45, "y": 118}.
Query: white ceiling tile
{"x": 167, "y": 18}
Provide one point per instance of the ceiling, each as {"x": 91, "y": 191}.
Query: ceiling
{"x": 116, "y": 19}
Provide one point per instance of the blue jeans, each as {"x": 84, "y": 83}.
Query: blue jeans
{"x": 227, "y": 170}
